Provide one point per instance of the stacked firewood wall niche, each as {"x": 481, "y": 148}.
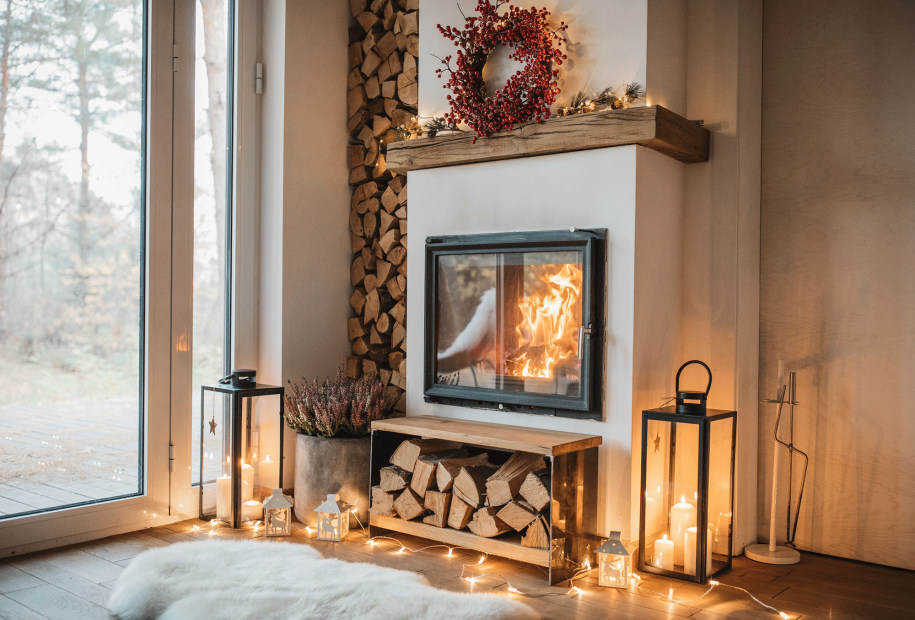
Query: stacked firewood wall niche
{"x": 382, "y": 97}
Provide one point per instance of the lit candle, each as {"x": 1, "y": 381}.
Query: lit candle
{"x": 224, "y": 498}
{"x": 682, "y": 516}
{"x": 689, "y": 551}
{"x": 252, "y": 510}
{"x": 268, "y": 472}
{"x": 664, "y": 553}
{"x": 247, "y": 482}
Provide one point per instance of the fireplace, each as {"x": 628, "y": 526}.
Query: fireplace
{"x": 514, "y": 321}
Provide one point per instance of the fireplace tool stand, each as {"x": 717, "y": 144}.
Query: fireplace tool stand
{"x": 773, "y": 553}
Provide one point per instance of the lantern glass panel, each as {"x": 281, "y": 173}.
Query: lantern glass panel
{"x": 614, "y": 570}
{"x": 253, "y": 414}
{"x": 720, "y": 492}
{"x": 333, "y": 526}
{"x": 277, "y": 521}
{"x": 671, "y": 490}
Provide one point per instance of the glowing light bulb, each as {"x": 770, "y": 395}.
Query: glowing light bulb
{"x": 587, "y": 565}
{"x": 482, "y": 559}
{"x": 577, "y": 590}
{"x": 402, "y": 549}
{"x": 713, "y": 582}
{"x": 450, "y": 552}
{"x": 513, "y": 589}
{"x": 670, "y": 594}
{"x": 784, "y": 615}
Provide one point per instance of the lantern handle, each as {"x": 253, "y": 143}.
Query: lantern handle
{"x": 707, "y": 369}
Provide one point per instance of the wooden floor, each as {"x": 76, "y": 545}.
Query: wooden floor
{"x": 74, "y": 582}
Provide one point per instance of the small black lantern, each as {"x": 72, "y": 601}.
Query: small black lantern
{"x": 238, "y": 469}
{"x": 687, "y": 486}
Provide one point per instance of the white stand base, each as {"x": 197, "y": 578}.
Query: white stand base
{"x": 781, "y": 555}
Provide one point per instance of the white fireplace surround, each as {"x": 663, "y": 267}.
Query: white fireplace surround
{"x": 682, "y": 281}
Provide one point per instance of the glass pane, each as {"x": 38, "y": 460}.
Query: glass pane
{"x": 510, "y": 321}
{"x": 71, "y": 235}
{"x": 211, "y": 165}
{"x": 671, "y": 492}
{"x": 719, "y": 492}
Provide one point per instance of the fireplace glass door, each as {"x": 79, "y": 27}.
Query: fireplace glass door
{"x": 512, "y": 321}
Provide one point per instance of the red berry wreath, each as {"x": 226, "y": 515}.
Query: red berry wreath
{"x": 528, "y": 93}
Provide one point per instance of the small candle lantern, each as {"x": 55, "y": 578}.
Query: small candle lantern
{"x": 333, "y": 519}
{"x": 613, "y": 563}
{"x": 687, "y": 486}
{"x": 277, "y": 515}
{"x": 236, "y": 465}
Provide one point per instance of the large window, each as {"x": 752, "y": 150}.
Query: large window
{"x": 72, "y": 215}
{"x": 115, "y": 187}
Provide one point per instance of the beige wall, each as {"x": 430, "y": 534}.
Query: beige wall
{"x": 304, "y": 195}
{"x": 838, "y": 267}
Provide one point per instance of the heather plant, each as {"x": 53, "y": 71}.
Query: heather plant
{"x": 337, "y": 407}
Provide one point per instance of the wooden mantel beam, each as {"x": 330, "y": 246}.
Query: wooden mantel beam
{"x": 655, "y": 127}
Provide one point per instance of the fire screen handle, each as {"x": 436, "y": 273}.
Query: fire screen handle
{"x": 581, "y": 339}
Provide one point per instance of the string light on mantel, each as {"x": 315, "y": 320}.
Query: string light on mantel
{"x": 574, "y": 590}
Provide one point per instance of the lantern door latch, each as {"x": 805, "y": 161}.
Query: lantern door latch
{"x": 171, "y": 457}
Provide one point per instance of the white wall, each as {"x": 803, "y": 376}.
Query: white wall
{"x": 534, "y": 194}
{"x": 838, "y": 258}
{"x": 304, "y": 196}
{"x": 720, "y": 263}
{"x": 607, "y": 41}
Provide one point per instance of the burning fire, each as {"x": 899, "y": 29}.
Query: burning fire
{"x": 548, "y": 329}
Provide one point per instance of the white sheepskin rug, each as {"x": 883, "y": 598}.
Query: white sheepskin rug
{"x": 247, "y": 579}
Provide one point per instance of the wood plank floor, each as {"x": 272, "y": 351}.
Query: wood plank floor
{"x": 75, "y": 581}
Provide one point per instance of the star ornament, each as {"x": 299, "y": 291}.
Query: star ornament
{"x": 213, "y": 426}
{"x": 657, "y": 441}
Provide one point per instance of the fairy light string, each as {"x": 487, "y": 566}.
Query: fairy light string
{"x": 580, "y": 573}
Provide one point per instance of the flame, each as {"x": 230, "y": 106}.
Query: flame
{"x": 548, "y": 329}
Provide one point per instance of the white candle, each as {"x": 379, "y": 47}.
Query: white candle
{"x": 689, "y": 551}
{"x": 682, "y": 516}
{"x": 247, "y": 482}
{"x": 664, "y": 553}
{"x": 252, "y": 510}
{"x": 268, "y": 473}
{"x": 224, "y": 498}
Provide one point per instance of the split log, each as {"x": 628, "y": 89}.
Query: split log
{"x": 382, "y": 503}
{"x": 448, "y": 469}
{"x": 537, "y": 535}
{"x": 354, "y": 328}
{"x": 536, "y": 488}
{"x": 459, "y": 513}
{"x": 485, "y": 523}
{"x": 439, "y": 504}
{"x": 426, "y": 465}
{"x": 470, "y": 483}
{"x": 503, "y": 485}
{"x": 409, "y": 505}
{"x": 518, "y": 514}
{"x": 394, "y": 478}
{"x": 410, "y": 450}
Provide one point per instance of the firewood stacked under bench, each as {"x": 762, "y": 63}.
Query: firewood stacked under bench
{"x": 525, "y": 494}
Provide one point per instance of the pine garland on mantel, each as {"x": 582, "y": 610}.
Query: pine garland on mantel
{"x": 381, "y": 101}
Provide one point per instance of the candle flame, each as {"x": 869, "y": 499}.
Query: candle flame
{"x": 548, "y": 329}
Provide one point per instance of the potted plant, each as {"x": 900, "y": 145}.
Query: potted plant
{"x": 333, "y": 420}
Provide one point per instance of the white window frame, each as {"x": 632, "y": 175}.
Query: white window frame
{"x": 169, "y": 496}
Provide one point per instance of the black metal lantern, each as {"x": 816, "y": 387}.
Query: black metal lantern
{"x": 238, "y": 469}
{"x": 687, "y": 487}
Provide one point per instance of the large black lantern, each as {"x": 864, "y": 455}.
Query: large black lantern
{"x": 687, "y": 494}
{"x": 239, "y": 467}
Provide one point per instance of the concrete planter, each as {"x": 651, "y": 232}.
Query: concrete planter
{"x": 331, "y": 465}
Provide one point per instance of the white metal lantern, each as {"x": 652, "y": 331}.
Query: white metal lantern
{"x": 277, "y": 515}
{"x": 614, "y": 563}
{"x": 333, "y": 519}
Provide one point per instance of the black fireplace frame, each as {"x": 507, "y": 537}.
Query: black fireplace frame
{"x": 591, "y": 243}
